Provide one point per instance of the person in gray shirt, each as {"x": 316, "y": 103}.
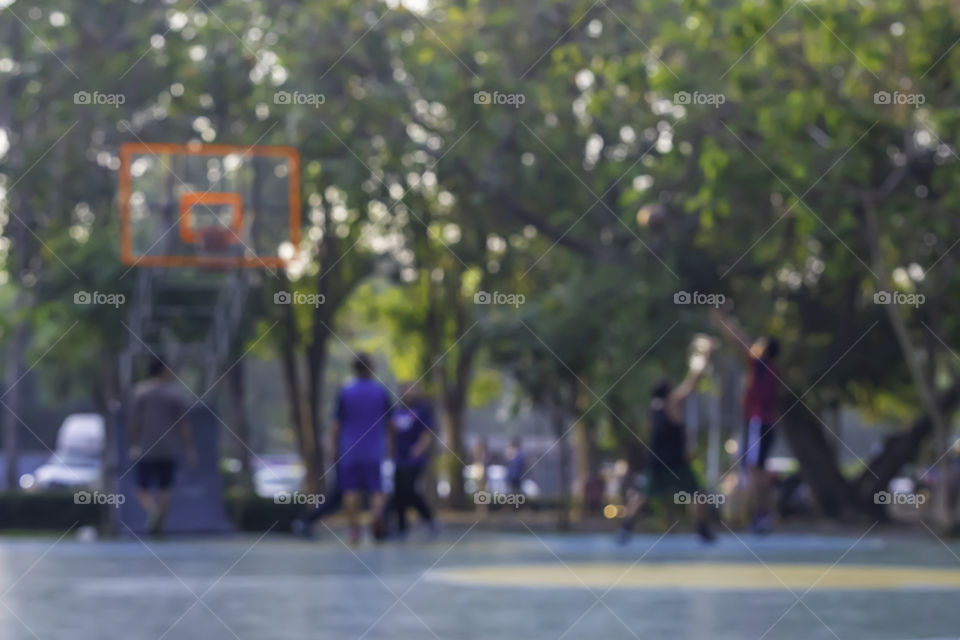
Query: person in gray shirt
{"x": 159, "y": 433}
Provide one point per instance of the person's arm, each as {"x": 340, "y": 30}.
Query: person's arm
{"x": 422, "y": 444}
{"x": 732, "y": 331}
{"x": 426, "y": 437}
{"x": 681, "y": 391}
{"x": 135, "y": 429}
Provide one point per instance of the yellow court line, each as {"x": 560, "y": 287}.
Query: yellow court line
{"x": 713, "y": 576}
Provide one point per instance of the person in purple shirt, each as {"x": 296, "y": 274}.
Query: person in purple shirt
{"x": 413, "y": 432}
{"x": 363, "y": 407}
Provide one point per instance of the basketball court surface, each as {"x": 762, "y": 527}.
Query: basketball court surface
{"x": 473, "y": 584}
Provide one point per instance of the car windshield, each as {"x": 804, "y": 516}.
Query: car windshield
{"x": 74, "y": 460}
{"x": 280, "y": 473}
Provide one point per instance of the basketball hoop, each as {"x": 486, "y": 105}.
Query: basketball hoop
{"x": 238, "y": 206}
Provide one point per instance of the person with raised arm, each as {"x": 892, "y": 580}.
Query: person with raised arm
{"x": 760, "y": 414}
{"x": 670, "y": 475}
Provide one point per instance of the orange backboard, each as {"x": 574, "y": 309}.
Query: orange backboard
{"x": 172, "y": 197}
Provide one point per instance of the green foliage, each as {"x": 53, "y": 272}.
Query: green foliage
{"x": 406, "y": 175}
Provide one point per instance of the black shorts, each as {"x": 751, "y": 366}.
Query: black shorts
{"x": 156, "y": 473}
{"x": 757, "y": 443}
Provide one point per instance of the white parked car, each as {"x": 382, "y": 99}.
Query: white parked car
{"x": 272, "y": 480}
{"x": 77, "y": 458}
{"x": 65, "y": 471}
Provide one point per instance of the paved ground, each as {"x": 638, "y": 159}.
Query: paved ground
{"x": 471, "y": 584}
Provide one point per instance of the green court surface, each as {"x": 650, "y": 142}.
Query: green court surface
{"x": 473, "y": 584}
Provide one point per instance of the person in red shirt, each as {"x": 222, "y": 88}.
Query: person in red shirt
{"x": 760, "y": 413}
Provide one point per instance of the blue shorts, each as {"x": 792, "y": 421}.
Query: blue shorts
{"x": 360, "y": 475}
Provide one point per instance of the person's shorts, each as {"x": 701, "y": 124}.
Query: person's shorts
{"x": 156, "y": 473}
{"x": 361, "y": 475}
{"x": 663, "y": 482}
{"x": 757, "y": 443}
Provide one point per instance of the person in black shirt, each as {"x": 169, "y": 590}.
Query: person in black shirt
{"x": 670, "y": 474}
{"x": 413, "y": 435}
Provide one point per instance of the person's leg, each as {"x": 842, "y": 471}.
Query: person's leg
{"x": 160, "y": 514}
{"x": 763, "y": 483}
{"x": 145, "y": 499}
{"x": 351, "y": 502}
{"x": 147, "y": 479}
{"x": 351, "y": 479}
{"x": 331, "y": 504}
{"x": 303, "y": 527}
{"x": 752, "y": 453}
{"x": 416, "y": 498}
{"x": 402, "y": 489}
{"x": 377, "y": 503}
{"x": 702, "y": 512}
{"x": 371, "y": 481}
{"x": 144, "y": 482}
{"x": 165, "y": 471}
{"x": 634, "y": 505}
{"x": 391, "y": 517}
{"x": 636, "y": 500}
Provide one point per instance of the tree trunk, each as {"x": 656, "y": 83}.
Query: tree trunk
{"x": 810, "y": 444}
{"x": 898, "y": 450}
{"x": 455, "y": 381}
{"x": 583, "y": 447}
{"x": 299, "y": 418}
{"x": 11, "y": 401}
{"x": 453, "y": 438}
{"x": 316, "y": 373}
{"x": 106, "y": 398}
{"x": 924, "y": 388}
